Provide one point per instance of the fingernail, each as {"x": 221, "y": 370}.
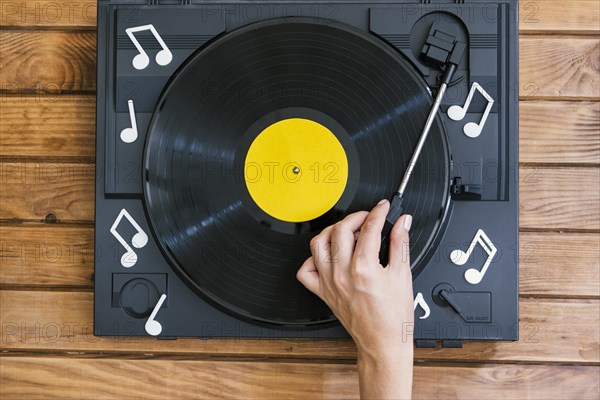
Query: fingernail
{"x": 407, "y": 222}
{"x": 382, "y": 202}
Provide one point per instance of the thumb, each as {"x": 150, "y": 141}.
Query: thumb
{"x": 308, "y": 275}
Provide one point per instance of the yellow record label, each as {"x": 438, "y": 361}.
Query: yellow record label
{"x": 296, "y": 170}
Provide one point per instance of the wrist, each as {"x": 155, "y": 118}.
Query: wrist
{"x": 385, "y": 349}
{"x": 386, "y": 374}
{"x": 386, "y": 357}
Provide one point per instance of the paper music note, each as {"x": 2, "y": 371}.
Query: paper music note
{"x": 139, "y": 240}
{"x": 141, "y": 60}
{"x": 420, "y": 301}
{"x": 129, "y": 135}
{"x": 153, "y": 327}
{"x": 459, "y": 257}
{"x": 457, "y": 113}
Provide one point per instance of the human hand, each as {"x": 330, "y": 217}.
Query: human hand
{"x": 373, "y": 303}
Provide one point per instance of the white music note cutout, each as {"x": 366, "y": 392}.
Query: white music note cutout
{"x": 457, "y": 113}
{"x": 141, "y": 60}
{"x": 153, "y": 327}
{"x": 129, "y": 135}
{"x": 139, "y": 240}
{"x": 459, "y": 257}
{"x": 420, "y": 301}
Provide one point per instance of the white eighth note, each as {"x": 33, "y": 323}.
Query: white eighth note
{"x": 457, "y": 113}
{"x": 139, "y": 240}
{"x": 141, "y": 60}
{"x": 153, "y": 327}
{"x": 459, "y": 257}
{"x": 129, "y": 135}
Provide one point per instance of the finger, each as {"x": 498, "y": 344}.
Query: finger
{"x": 320, "y": 248}
{"x": 308, "y": 275}
{"x": 323, "y": 237}
{"x": 343, "y": 237}
{"x": 399, "y": 241}
{"x": 369, "y": 241}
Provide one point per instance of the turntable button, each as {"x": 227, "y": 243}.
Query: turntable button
{"x": 138, "y": 297}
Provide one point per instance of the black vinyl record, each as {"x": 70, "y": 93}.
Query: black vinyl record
{"x": 216, "y": 237}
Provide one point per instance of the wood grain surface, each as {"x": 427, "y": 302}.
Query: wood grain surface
{"x": 559, "y": 198}
{"x": 559, "y": 132}
{"x": 559, "y": 67}
{"x": 47, "y": 125}
{"x": 47, "y": 61}
{"x": 568, "y": 263}
{"x": 563, "y": 17}
{"x": 77, "y": 378}
{"x": 38, "y": 192}
{"x": 65, "y": 14}
{"x": 47, "y": 175}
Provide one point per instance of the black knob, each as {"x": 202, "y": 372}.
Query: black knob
{"x": 138, "y": 297}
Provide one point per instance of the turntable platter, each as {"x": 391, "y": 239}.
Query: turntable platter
{"x": 268, "y": 134}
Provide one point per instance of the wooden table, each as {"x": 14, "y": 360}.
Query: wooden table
{"x": 47, "y": 87}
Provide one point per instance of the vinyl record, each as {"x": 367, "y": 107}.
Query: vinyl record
{"x": 268, "y": 134}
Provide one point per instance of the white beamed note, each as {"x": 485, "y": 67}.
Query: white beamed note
{"x": 141, "y": 60}
{"x": 457, "y": 113}
{"x": 459, "y": 257}
{"x": 152, "y": 326}
{"x": 130, "y": 135}
{"x": 420, "y": 301}
{"x": 139, "y": 240}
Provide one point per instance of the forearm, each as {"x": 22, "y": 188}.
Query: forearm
{"x": 386, "y": 376}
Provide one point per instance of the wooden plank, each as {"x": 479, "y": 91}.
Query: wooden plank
{"x": 64, "y": 126}
{"x": 573, "y": 16}
{"x": 559, "y": 132}
{"x": 49, "y": 255}
{"x": 63, "y": 322}
{"x": 550, "y": 198}
{"x": 559, "y": 67}
{"x": 559, "y": 264}
{"x": 47, "y": 62}
{"x": 44, "y": 377}
{"x": 48, "y": 13}
{"x": 505, "y": 382}
{"x": 551, "y": 264}
{"x": 61, "y": 61}
{"x": 55, "y": 191}
{"x": 48, "y": 125}
{"x": 559, "y": 198}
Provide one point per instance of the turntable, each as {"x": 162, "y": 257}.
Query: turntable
{"x": 230, "y": 133}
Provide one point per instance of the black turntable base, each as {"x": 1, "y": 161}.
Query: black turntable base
{"x": 230, "y": 134}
